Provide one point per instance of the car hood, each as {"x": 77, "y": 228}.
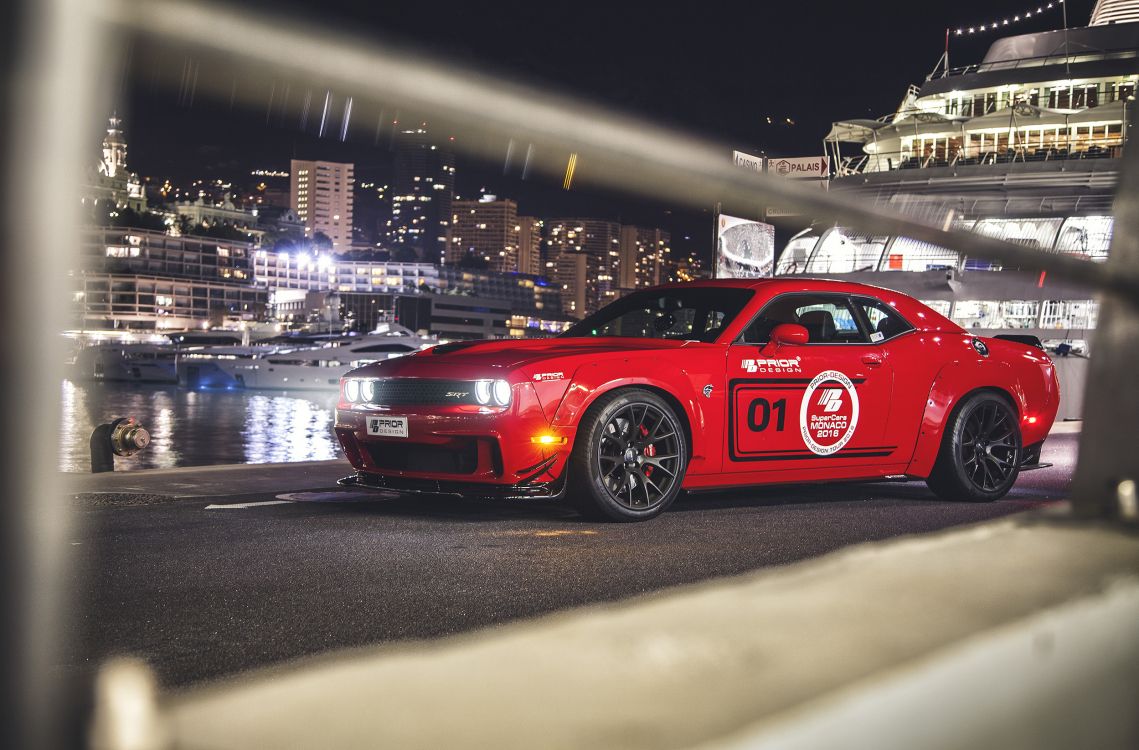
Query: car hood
{"x": 511, "y": 354}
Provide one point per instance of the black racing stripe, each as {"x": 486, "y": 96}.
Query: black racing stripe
{"x": 796, "y": 452}
{"x": 813, "y": 456}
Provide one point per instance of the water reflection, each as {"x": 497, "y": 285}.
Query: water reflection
{"x": 195, "y": 428}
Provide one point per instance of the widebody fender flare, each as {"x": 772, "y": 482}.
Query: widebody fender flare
{"x": 592, "y": 381}
{"x": 953, "y": 383}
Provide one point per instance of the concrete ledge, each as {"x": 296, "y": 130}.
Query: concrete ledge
{"x": 731, "y": 661}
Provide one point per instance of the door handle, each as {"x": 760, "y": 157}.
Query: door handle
{"x": 872, "y": 360}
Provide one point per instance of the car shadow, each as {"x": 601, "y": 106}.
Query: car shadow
{"x": 803, "y": 494}
{"x": 474, "y": 510}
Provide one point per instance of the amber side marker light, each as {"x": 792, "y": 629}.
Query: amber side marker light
{"x": 548, "y": 440}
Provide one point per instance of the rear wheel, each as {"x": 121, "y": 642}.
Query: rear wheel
{"x": 629, "y": 457}
{"x": 980, "y": 453}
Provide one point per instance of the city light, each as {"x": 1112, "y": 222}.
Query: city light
{"x": 994, "y": 25}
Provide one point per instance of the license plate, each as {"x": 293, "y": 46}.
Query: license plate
{"x": 387, "y": 426}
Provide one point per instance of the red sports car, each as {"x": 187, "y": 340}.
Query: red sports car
{"x": 706, "y": 385}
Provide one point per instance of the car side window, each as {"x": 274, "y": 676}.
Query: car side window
{"x": 885, "y": 322}
{"x": 829, "y": 319}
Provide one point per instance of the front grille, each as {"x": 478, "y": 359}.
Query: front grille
{"x": 403, "y": 391}
{"x": 460, "y": 456}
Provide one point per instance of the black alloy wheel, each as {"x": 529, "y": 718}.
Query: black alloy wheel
{"x": 629, "y": 457}
{"x": 981, "y": 452}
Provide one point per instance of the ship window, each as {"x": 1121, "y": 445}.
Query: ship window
{"x": 996, "y": 314}
{"x": 794, "y": 257}
{"x": 1085, "y": 96}
{"x": 938, "y": 305}
{"x": 911, "y": 255}
{"x": 843, "y": 252}
{"x": 1089, "y": 236}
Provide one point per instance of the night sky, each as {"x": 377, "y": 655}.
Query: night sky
{"x": 713, "y": 68}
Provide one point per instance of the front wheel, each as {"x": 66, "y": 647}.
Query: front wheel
{"x": 629, "y": 457}
{"x": 980, "y": 453}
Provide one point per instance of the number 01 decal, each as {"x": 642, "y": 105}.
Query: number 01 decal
{"x": 759, "y": 414}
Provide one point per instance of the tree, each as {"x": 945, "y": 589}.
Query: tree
{"x": 321, "y": 241}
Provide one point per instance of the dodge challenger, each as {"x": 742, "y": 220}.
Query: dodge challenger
{"x": 706, "y": 385}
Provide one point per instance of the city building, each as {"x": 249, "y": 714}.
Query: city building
{"x": 582, "y": 258}
{"x": 321, "y": 193}
{"x": 645, "y": 259}
{"x": 150, "y": 281}
{"x": 1025, "y": 146}
{"x": 206, "y": 214}
{"x": 112, "y": 181}
{"x": 422, "y": 190}
{"x": 490, "y": 231}
{"x": 530, "y": 230}
{"x": 459, "y": 302}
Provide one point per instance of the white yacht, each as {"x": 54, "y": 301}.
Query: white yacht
{"x": 314, "y": 368}
{"x": 1025, "y": 145}
{"x": 134, "y": 363}
{"x": 154, "y": 361}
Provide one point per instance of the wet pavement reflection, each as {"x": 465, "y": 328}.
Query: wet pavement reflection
{"x": 199, "y": 428}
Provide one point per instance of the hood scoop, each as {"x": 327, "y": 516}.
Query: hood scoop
{"x": 454, "y": 346}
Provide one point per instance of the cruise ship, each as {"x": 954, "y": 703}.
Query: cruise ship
{"x": 1024, "y": 145}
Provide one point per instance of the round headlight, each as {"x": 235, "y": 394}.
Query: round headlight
{"x": 482, "y": 391}
{"x": 352, "y": 389}
{"x": 367, "y": 389}
{"x": 501, "y": 392}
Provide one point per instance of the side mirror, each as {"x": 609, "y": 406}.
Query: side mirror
{"x": 789, "y": 333}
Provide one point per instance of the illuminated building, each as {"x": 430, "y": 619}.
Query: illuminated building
{"x": 113, "y": 181}
{"x": 148, "y": 281}
{"x": 462, "y": 303}
{"x": 646, "y": 258}
{"x": 491, "y": 231}
{"x": 422, "y": 190}
{"x": 582, "y": 258}
{"x": 321, "y": 193}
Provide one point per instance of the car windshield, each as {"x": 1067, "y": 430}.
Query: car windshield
{"x": 694, "y": 313}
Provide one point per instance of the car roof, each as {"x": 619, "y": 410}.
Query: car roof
{"x": 921, "y": 316}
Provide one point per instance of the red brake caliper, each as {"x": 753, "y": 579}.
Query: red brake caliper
{"x": 650, "y": 450}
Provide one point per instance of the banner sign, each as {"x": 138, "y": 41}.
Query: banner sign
{"x": 745, "y": 249}
{"x": 747, "y": 161}
{"x": 800, "y": 168}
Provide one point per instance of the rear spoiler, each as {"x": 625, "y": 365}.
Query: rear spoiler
{"x": 1022, "y": 338}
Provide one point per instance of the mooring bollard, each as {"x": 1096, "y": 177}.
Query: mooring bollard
{"x": 122, "y": 437}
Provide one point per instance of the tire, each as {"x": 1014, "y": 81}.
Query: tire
{"x": 981, "y": 451}
{"x": 628, "y": 458}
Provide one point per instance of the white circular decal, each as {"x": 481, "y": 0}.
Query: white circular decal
{"x": 829, "y": 413}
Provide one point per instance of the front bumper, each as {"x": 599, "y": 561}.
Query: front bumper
{"x": 457, "y": 450}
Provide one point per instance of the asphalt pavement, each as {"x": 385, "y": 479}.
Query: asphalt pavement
{"x": 207, "y": 587}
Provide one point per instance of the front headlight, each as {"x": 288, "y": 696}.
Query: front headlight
{"x": 482, "y": 391}
{"x": 352, "y": 389}
{"x": 502, "y": 393}
{"x": 368, "y": 390}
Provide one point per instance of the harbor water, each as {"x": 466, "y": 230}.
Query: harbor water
{"x": 199, "y": 427}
